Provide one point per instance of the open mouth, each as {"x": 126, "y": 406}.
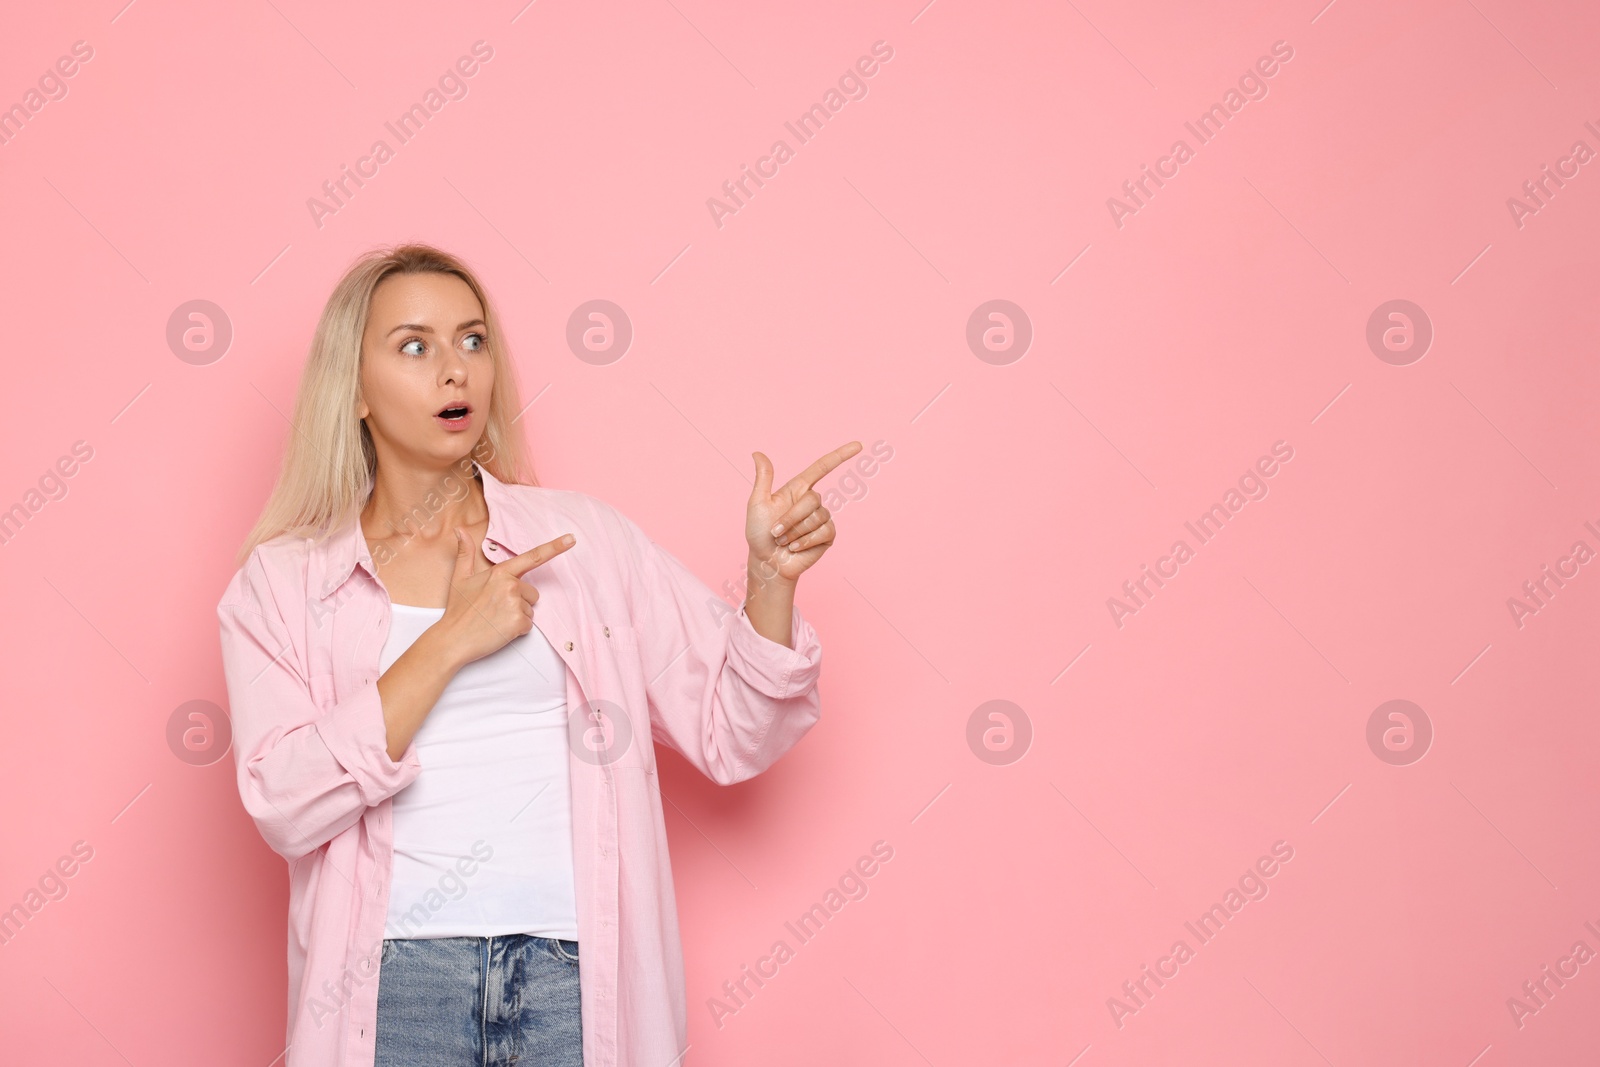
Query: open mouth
{"x": 456, "y": 413}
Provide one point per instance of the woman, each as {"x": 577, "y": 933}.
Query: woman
{"x": 445, "y": 685}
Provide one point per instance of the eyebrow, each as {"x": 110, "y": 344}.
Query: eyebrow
{"x": 420, "y": 328}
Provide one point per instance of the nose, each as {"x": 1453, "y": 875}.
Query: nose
{"x": 455, "y": 367}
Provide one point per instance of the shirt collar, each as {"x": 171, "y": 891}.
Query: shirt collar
{"x": 347, "y": 549}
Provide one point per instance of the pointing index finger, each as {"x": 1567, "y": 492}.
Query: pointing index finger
{"x": 809, "y": 477}
{"x": 522, "y": 564}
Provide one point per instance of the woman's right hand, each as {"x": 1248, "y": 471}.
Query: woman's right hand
{"x": 491, "y": 605}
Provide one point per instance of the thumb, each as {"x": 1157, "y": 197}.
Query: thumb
{"x": 464, "y": 559}
{"x": 763, "y": 486}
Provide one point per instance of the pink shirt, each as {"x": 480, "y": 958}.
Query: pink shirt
{"x": 651, "y": 655}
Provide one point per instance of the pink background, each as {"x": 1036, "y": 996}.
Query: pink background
{"x": 1167, "y": 755}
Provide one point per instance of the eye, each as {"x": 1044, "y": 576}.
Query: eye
{"x": 482, "y": 341}
{"x": 408, "y": 344}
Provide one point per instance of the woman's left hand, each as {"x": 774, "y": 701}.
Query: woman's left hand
{"x": 804, "y": 527}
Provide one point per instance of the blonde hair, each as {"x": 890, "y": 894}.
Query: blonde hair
{"x": 329, "y": 461}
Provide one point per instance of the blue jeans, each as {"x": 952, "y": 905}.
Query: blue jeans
{"x": 479, "y": 1001}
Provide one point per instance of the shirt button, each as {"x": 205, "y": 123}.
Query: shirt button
{"x": 607, "y": 630}
{"x": 569, "y": 646}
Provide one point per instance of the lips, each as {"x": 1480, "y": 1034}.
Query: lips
{"x": 456, "y": 418}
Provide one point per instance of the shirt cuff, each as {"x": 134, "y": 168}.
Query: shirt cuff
{"x": 356, "y": 734}
{"x": 772, "y": 669}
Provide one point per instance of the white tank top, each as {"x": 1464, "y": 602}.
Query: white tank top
{"x": 483, "y": 836}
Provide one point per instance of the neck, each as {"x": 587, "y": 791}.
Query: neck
{"x": 408, "y": 503}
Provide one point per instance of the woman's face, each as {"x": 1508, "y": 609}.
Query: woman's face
{"x": 424, "y": 350}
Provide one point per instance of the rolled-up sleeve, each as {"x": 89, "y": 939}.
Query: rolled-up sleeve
{"x": 771, "y": 668}
{"x": 305, "y": 774}
{"x": 721, "y": 695}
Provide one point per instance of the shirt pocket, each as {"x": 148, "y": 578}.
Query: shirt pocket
{"x": 600, "y": 636}
{"x": 617, "y": 724}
